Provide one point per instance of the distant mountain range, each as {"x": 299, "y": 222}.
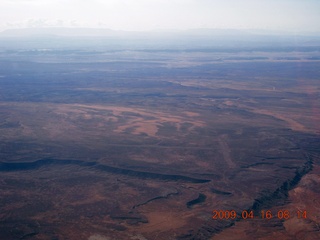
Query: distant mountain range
{"x": 183, "y": 39}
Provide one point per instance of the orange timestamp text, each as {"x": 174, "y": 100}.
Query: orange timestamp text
{"x": 263, "y": 214}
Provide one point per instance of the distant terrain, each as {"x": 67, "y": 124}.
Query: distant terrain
{"x": 120, "y": 136}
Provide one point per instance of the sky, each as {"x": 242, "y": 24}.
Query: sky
{"x": 141, "y": 15}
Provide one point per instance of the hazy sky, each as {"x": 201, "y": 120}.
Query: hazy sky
{"x": 292, "y": 15}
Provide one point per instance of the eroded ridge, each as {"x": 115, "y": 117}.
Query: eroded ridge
{"x": 22, "y": 166}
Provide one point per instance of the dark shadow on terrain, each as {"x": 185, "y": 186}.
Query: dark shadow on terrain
{"x": 22, "y": 166}
{"x": 156, "y": 198}
{"x": 220, "y": 192}
{"x": 267, "y": 200}
{"x": 200, "y": 199}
